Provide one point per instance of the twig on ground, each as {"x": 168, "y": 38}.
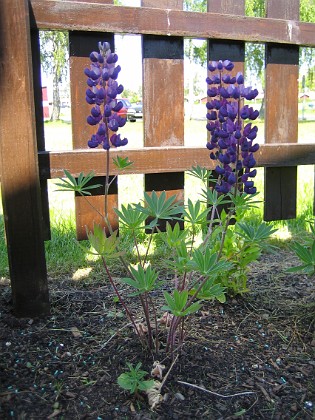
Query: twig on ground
{"x": 110, "y": 338}
{"x": 215, "y": 393}
{"x": 168, "y": 372}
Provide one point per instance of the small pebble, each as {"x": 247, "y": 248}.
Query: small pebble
{"x": 179, "y": 396}
{"x": 308, "y": 405}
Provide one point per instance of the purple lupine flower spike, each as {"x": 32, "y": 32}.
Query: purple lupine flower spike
{"x": 231, "y": 142}
{"x": 101, "y": 93}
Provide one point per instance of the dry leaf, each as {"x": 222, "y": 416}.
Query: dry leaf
{"x": 142, "y": 329}
{"x": 54, "y": 414}
{"x": 157, "y": 371}
{"x": 166, "y": 319}
{"x": 154, "y": 396}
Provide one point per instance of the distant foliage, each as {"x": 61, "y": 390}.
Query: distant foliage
{"x": 55, "y": 59}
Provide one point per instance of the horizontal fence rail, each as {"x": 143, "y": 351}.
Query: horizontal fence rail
{"x": 169, "y": 159}
{"x": 89, "y": 16}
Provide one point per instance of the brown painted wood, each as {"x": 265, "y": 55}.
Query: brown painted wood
{"x": 167, "y": 159}
{"x": 163, "y": 101}
{"x": 18, "y": 155}
{"x": 228, "y": 7}
{"x": 90, "y": 16}
{"x": 81, "y": 45}
{"x": 219, "y": 49}
{"x": 281, "y": 115}
{"x": 39, "y": 119}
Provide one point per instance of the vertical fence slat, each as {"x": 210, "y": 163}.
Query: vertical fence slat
{"x": 81, "y": 45}
{"x": 221, "y": 49}
{"x": 19, "y": 166}
{"x": 163, "y": 100}
{"x": 281, "y": 115}
{"x": 39, "y": 117}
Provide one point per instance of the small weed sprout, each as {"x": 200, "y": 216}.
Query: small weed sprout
{"x": 133, "y": 381}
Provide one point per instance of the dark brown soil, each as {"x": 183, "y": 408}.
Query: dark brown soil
{"x": 252, "y": 358}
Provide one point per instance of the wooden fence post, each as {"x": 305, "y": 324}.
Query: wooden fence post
{"x": 281, "y": 115}
{"x": 163, "y": 100}
{"x": 19, "y": 166}
{"x": 39, "y": 120}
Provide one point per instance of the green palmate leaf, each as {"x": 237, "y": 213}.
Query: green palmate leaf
{"x": 159, "y": 207}
{"x": 243, "y": 202}
{"x": 303, "y": 252}
{"x": 193, "y": 213}
{"x": 78, "y": 185}
{"x": 205, "y": 262}
{"x": 209, "y": 291}
{"x": 133, "y": 380}
{"x": 122, "y": 163}
{"x": 144, "y": 279}
{"x": 306, "y": 268}
{"x": 103, "y": 245}
{"x": 312, "y": 226}
{"x": 179, "y": 263}
{"x": 212, "y": 198}
{"x": 249, "y": 255}
{"x": 254, "y": 234}
{"x": 200, "y": 173}
{"x": 131, "y": 217}
{"x": 174, "y": 236}
{"x": 307, "y": 256}
{"x": 177, "y": 302}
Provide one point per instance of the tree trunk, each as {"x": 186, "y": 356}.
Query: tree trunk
{"x": 56, "y": 98}
{"x": 191, "y": 81}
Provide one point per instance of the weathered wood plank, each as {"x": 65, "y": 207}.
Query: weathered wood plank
{"x": 19, "y": 168}
{"x": 163, "y": 80}
{"x": 90, "y": 16}
{"x": 39, "y": 119}
{"x": 281, "y": 115}
{"x": 166, "y": 159}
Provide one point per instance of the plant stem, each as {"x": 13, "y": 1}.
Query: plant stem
{"x": 106, "y": 184}
{"x": 121, "y": 300}
{"x": 137, "y": 248}
{"x": 156, "y": 325}
{"x": 144, "y": 303}
{"x": 148, "y": 247}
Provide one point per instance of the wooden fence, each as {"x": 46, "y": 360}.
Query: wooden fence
{"x": 26, "y": 166}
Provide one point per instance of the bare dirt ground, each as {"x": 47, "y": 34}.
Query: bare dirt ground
{"x": 251, "y": 358}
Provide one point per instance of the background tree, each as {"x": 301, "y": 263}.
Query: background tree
{"x": 194, "y": 53}
{"x": 54, "y": 58}
{"x": 255, "y": 53}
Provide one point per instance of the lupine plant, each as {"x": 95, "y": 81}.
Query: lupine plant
{"x": 210, "y": 256}
{"x": 306, "y": 253}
